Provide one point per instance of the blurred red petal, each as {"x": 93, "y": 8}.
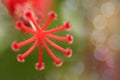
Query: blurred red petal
{"x": 39, "y": 7}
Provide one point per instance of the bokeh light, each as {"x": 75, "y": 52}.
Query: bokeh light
{"x": 101, "y": 52}
{"x": 114, "y": 42}
{"x": 108, "y": 9}
{"x": 100, "y": 22}
{"x": 108, "y": 74}
{"x": 98, "y": 36}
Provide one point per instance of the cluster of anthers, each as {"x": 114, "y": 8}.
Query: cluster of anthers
{"x": 40, "y": 37}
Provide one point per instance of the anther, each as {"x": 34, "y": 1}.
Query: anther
{"x": 53, "y": 15}
{"x": 29, "y": 15}
{"x": 39, "y": 66}
{"x": 67, "y": 25}
{"x": 15, "y": 46}
{"x": 58, "y": 63}
{"x": 20, "y": 58}
{"x": 70, "y": 38}
{"x": 69, "y": 53}
{"x": 18, "y": 25}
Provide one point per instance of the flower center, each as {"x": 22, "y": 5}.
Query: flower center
{"x": 40, "y": 35}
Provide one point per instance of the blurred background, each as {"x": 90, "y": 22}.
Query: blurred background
{"x": 96, "y": 46}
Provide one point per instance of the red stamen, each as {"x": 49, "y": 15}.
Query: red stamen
{"x": 40, "y": 64}
{"x": 67, "y": 52}
{"x": 30, "y": 18}
{"x": 69, "y": 38}
{"x": 63, "y": 27}
{"x": 16, "y": 46}
{"x": 57, "y": 61}
{"x": 21, "y": 57}
{"x": 51, "y": 17}
{"x": 23, "y": 27}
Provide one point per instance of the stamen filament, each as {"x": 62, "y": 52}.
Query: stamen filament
{"x": 55, "y": 30}
{"x": 40, "y": 54}
{"x": 51, "y": 17}
{"x": 56, "y": 46}
{"x": 63, "y": 27}
{"x": 28, "y": 52}
{"x": 47, "y": 23}
{"x": 58, "y": 37}
{"x": 20, "y": 25}
{"x": 23, "y": 43}
{"x": 67, "y": 52}
{"x": 40, "y": 64}
{"x": 31, "y": 19}
{"x": 50, "y": 52}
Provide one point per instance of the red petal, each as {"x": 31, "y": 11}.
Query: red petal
{"x": 10, "y": 4}
{"x": 39, "y": 7}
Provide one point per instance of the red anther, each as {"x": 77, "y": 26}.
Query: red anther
{"x": 67, "y": 25}
{"x": 18, "y": 25}
{"x": 69, "y": 53}
{"x": 58, "y": 63}
{"x": 28, "y": 14}
{"x": 53, "y": 15}
{"x": 40, "y": 66}
{"x": 20, "y": 58}
{"x": 15, "y": 46}
{"x": 70, "y": 38}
